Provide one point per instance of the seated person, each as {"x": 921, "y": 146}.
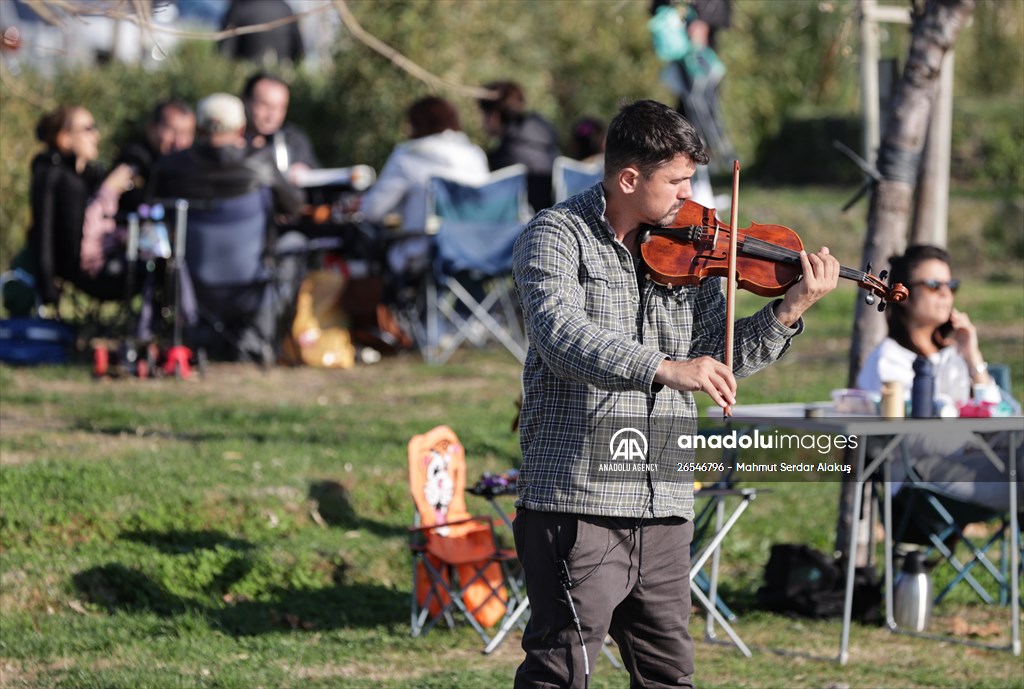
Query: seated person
{"x": 220, "y": 168}
{"x": 437, "y": 147}
{"x": 171, "y": 127}
{"x": 928, "y": 325}
{"x": 283, "y": 43}
{"x": 73, "y": 237}
{"x": 266, "y": 107}
{"x": 524, "y": 137}
{"x": 588, "y": 140}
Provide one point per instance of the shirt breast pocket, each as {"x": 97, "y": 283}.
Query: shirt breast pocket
{"x": 671, "y": 317}
{"x": 598, "y": 294}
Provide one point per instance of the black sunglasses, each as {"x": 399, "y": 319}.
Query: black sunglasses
{"x": 936, "y": 285}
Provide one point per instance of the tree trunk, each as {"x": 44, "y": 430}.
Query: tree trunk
{"x": 935, "y": 31}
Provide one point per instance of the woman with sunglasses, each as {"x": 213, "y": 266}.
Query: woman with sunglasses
{"x": 73, "y": 236}
{"x": 927, "y": 325}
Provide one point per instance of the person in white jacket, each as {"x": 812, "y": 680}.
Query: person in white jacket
{"x": 437, "y": 147}
{"x": 927, "y": 325}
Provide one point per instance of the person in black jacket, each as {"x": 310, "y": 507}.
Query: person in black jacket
{"x": 525, "y": 137}
{"x": 171, "y": 127}
{"x": 219, "y": 164}
{"x": 266, "y": 100}
{"x": 220, "y": 167}
{"x": 282, "y": 43}
{"x": 72, "y": 237}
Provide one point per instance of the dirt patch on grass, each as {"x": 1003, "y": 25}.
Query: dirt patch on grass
{"x": 32, "y": 427}
{"x": 402, "y": 667}
{"x": 23, "y": 437}
{"x": 392, "y": 378}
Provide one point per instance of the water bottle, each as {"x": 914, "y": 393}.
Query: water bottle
{"x": 913, "y": 594}
{"x": 922, "y": 395}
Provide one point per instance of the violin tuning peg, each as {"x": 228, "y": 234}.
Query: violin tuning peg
{"x": 881, "y": 306}
{"x": 869, "y": 299}
{"x": 867, "y": 269}
{"x": 883, "y": 275}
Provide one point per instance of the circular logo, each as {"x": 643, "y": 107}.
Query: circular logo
{"x": 628, "y": 443}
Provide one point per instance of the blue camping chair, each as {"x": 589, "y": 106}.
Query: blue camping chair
{"x": 936, "y": 515}
{"x": 228, "y": 300}
{"x": 468, "y": 296}
{"x": 570, "y": 177}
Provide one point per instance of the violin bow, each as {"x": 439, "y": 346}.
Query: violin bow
{"x": 730, "y": 285}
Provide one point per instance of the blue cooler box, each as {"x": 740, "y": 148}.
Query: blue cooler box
{"x": 29, "y": 341}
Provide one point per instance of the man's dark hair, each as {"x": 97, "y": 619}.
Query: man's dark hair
{"x": 156, "y": 116}
{"x": 649, "y": 134}
{"x": 432, "y": 115}
{"x": 250, "y": 84}
{"x": 900, "y": 270}
{"x": 508, "y": 100}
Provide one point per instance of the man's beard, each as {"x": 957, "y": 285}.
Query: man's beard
{"x": 670, "y": 217}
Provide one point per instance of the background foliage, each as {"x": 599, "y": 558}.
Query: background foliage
{"x": 792, "y": 69}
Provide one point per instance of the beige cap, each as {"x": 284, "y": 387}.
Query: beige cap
{"x": 220, "y": 112}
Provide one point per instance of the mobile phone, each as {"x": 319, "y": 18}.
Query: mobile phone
{"x": 945, "y": 330}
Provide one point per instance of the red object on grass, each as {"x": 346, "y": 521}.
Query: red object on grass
{"x": 177, "y": 363}
{"x": 100, "y": 361}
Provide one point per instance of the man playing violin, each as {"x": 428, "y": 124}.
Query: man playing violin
{"x": 605, "y": 342}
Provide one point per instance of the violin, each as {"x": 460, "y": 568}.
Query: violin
{"x": 696, "y": 245}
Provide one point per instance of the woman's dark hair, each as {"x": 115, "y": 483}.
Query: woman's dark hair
{"x": 588, "y": 138}
{"x": 432, "y": 115}
{"x": 649, "y": 134}
{"x": 53, "y": 123}
{"x": 508, "y": 101}
{"x": 900, "y": 270}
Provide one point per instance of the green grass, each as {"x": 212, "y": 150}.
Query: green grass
{"x": 248, "y": 530}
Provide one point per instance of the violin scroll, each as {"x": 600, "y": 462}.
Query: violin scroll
{"x": 876, "y": 287}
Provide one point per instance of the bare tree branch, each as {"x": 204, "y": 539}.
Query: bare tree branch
{"x": 401, "y": 61}
{"x": 139, "y": 12}
{"x": 143, "y": 18}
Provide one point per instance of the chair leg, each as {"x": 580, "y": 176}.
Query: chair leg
{"x": 609, "y": 655}
{"x": 481, "y": 311}
{"x": 964, "y": 569}
{"x": 421, "y": 620}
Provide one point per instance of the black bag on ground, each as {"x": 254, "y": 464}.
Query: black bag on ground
{"x": 803, "y": 582}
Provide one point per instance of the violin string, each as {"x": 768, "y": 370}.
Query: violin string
{"x": 759, "y": 247}
{"x": 764, "y": 249}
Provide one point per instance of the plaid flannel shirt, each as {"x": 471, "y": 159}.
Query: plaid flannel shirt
{"x": 597, "y": 335}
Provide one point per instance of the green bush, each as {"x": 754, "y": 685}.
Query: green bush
{"x": 988, "y": 143}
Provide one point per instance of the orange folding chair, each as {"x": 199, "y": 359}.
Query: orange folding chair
{"x": 457, "y": 564}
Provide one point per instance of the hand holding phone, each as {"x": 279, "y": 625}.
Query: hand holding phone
{"x": 945, "y": 331}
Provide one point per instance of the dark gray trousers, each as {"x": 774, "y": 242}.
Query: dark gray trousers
{"x": 630, "y": 579}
